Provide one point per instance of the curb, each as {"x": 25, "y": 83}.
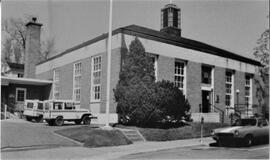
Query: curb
{"x": 117, "y": 155}
{"x": 26, "y": 148}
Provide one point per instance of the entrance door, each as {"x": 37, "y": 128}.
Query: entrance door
{"x": 206, "y": 101}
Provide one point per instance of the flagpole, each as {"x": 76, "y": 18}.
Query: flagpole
{"x": 109, "y": 69}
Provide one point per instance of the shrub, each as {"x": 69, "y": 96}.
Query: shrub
{"x": 95, "y": 137}
{"x": 172, "y": 102}
{"x": 106, "y": 138}
{"x": 140, "y": 100}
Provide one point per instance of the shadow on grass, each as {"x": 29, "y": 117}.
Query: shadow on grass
{"x": 157, "y": 125}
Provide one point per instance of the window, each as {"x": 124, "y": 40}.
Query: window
{"x": 57, "y": 105}
{"x": 248, "y": 90}
{"x": 96, "y": 79}
{"x": 170, "y": 18}
{"x": 47, "y": 106}
{"x": 20, "y": 75}
{"x": 40, "y": 106}
{"x": 262, "y": 122}
{"x": 179, "y": 75}
{"x": 69, "y": 105}
{"x": 206, "y": 74}
{"x": 77, "y": 76}
{"x": 30, "y": 105}
{"x": 154, "y": 60}
{"x": 229, "y": 89}
{"x": 56, "y": 84}
{"x": 20, "y": 94}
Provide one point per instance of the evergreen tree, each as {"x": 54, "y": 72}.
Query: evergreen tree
{"x": 142, "y": 101}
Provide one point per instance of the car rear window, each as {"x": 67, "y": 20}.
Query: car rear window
{"x": 30, "y": 105}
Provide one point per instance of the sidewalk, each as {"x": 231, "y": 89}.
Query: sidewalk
{"x": 102, "y": 152}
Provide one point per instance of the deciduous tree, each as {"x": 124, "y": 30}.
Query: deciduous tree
{"x": 261, "y": 52}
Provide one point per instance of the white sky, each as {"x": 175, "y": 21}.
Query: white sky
{"x": 234, "y": 25}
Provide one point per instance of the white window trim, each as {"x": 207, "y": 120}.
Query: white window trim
{"x": 185, "y": 74}
{"x": 232, "y": 100}
{"x": 250, "y": 91}
{"x": 92, "y": 94}
{"x": 232, "y": 89}
{"x": 156, "y": 68}
{"x": 73, "y": 85}
{"x": 20, "y": 89}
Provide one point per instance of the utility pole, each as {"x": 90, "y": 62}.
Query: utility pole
{"x": 107, "y": 126}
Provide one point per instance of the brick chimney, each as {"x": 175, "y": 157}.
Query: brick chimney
{"x": 32, "y": 48}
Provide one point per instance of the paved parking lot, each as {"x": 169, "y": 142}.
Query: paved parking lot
{"x": 18, "y": 134}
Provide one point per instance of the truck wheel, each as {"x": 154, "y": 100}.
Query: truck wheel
{"x": 86, "y": 120}
{"x": 59, "y": 121}
{"x": 78, "y": 121}
{"x": 39, "y": 119}
{"x": 28, "y": 118}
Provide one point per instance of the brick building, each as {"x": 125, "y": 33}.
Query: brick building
{"x": 18, "y": 81}
{"x": 213, "y": 80}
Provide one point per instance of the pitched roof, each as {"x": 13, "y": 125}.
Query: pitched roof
{"x": 165, "y": 38}
{"x": 15, "y": 65}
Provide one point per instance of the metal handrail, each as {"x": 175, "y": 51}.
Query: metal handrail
{"x": 220, "y": 111}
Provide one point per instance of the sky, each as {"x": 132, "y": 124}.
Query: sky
{"x": 233, "y": 25}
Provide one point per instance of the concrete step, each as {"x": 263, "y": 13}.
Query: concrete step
{"x": 133, "y": 135}
{"x": 227, "y": 119}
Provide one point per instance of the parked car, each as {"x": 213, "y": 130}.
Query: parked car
{"x": 58, "y": 111}
{"x": 244, "y": 131}
{"x": 33, "y": 109}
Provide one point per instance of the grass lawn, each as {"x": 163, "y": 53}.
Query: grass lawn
{"x": 193, "y": 130}
{"x": 95, "y": 137}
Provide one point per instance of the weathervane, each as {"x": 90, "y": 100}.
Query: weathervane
{"x": 170, "y": 1}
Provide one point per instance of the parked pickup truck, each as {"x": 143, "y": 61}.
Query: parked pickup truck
{"x": 58, "y": 111}
{"x": 33, "y": 109}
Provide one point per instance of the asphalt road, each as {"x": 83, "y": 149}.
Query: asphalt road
{"x": 205, "y": 152}
{"x": 18, "y": 134}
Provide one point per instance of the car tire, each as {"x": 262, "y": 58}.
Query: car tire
{"x": 249, "y": 140}
{"x": 220, "y": 143}
{"x": 86, "y": 120}
{"x": 50, "y": 122}
{"x": 59, "y": 121}
{"x": 28, "y": 118}
{"x": 78, "y": 121}
{"x": 39, "y": 119}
